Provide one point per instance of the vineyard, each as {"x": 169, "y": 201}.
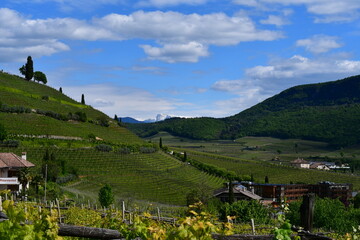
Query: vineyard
{"x": 153, "y": 177}
{"x": 275, "y": 172}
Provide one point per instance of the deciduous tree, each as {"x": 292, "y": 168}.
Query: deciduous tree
{"x": 106, "y": 196}
{"x": 40, "y": 77}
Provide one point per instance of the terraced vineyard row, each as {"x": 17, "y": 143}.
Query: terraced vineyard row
{"x": 153, "y": 177}
{"x": 35, "y": 126}
{"x": 276, "y": 173}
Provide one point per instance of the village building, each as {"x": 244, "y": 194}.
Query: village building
{"x": 240, "y": 193}
{"x": 300, "y": 163}
{"x": 294, "y": 192}
{"x": 320, "y": 166}
{"x": 10, "y": 167}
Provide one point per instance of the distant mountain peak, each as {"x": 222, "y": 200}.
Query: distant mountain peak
{"x": 159, "y": 117}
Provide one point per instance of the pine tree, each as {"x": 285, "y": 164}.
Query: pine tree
{"x": 29, "y": 69}
{"x": 116, "y": 118}
{"x": 60, "y": 89}
{"x": 160, "y": 143}
{"x": 82, "y": 99}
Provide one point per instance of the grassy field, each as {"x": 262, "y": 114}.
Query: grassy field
{"x": 256, "y": 156}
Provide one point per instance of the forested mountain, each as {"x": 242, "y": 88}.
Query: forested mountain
{"x": 327, "y": 112}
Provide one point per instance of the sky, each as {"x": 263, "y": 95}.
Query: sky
{"x": 187, "y": 58}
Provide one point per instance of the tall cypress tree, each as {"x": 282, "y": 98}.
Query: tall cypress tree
{"x": 29, "y": 69}
{"x": 82, "y": 99}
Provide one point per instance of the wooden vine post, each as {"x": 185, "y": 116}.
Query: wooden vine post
{"x": 307, "y": 212}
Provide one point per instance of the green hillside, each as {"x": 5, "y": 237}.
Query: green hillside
{"x": 30, "y": 108}
{"x": 327, "y": 112}
{"x": 43, "y": 119}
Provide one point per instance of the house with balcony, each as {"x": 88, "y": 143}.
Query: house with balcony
{"x": 10, "y": 167}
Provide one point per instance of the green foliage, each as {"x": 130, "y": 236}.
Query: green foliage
{"x": 106, "y": 196}
{"x": 82, "y": 99}
{"x": 3, "y": 133}
{"x": 40, "y": 77}
{"x": 195, "y": 128}
{"x": 283, "y": 232}
{"x": 245, "y": 210}
{"x": 11, "y": 143}
{"x": 196, "y": 195}
{"x": 104, "y": 148}
{"x": 29, "y": 69}
{"x": 357, "y": 201}
{"x": 38, "y": 227}
{"x": 329, "y": 214}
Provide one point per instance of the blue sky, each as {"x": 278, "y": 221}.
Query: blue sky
{"x": 187, "y": 58}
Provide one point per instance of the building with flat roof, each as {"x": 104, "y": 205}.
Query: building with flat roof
{"x": 293, "y": 192}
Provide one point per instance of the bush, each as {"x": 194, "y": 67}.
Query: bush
{"x": 78, "y": 116}
{"x": 245, "y": 210}
{"x": 11, "y": 143}
{"x": 124, "y": 150}
{"x": 329, "y": 214}
{"x": 66, "y": 178}
{"x": 14, "y": 109}
{"x": 104, "y": 148}
{"x": 46, "y": 98}
{"x": 147, "y": 150}
{"x": 91, "y": 137}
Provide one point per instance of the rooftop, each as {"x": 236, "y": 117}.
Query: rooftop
{"x": 11, "y": 160}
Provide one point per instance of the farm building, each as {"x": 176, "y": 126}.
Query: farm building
{"x": 300, "y": 163}
{"x": 10, "y": 167}
{"x": 240, "y": 193}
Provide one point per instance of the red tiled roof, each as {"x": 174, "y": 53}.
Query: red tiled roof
{"x": 12, "y": 160}
{"x": 299, "y": 160}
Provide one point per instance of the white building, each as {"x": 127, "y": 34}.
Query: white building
{"x": 10, "y": 166}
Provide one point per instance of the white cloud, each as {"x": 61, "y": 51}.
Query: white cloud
{"x": 319, "y": 43}
{"x": 171, "y": 53}
{"x": 328, "y": 10}
{"x": 298, "y": 69}
{"x": 192, "y": 32}
{"x": 174, "y": 27}
{"x": 275, "y": 20}
{"x": 248, "y": 93}
{"x": 250, "y": 3}
{"x": 165, "y": 3}
{"x": 72, "y": 5}
{"x": 122, "y": 100}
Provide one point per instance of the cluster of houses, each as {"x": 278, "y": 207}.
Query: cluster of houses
{"x": 10, "y": 170}
{"x": 301, "y": 163}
